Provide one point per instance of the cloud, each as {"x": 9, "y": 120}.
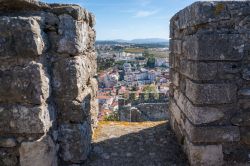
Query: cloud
{"x": 144, "y": 13}
{"x": 144, "y": 2}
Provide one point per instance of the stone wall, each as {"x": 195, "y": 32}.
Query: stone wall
{"x": 148, "y": 107}
{"x": 210, "y": 75}
{"x": 144, "y": 112}
{"x": 48, "y": 91}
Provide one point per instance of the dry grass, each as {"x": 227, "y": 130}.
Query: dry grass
{"x": 97, "y": 132}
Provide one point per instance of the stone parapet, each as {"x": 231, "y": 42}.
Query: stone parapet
{"x": 210, "y": 90}
{"x": 48, "y": 104}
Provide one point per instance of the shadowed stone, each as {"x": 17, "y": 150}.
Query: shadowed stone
{"x": 208, "y": 155}
{"x": 41, "y": 152}
{"x": 75, "y": 142}
{"x": 7, "y": 142}
{"x": 207, "y": 134}
{"x": 210, "y": 93}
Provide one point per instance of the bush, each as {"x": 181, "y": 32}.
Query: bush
{"x": 112, "y": 117}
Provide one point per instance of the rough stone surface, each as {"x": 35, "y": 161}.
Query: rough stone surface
{"x": 209, "y": 93}
{"x": 8, "y": 157}
{"x": 27, "y": 32}
{"x": 73, "y": 35}
{"x": 135, "y": 144}
{"x": 75, "y": 142}
{"x": 142, "y": 109}
{"x": 197, "y": 114}
{"x": 41, "y": 152}
{"x": 212, "y": 134}
{"x": 29, "y": 84}
{"x": 21, "y": 119}
{"x": 48, "y": 91}
{"x": 70, "y": 77}
{"x": 7, "y": 142}
{"x": 204, "y": 155}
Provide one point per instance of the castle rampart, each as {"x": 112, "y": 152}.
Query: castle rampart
{"x": 48, "y": 92}
{"x": 209, "y": 95}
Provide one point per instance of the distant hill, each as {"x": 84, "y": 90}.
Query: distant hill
{"x": 148, "y": 41}
{"x": 135, "y": 41}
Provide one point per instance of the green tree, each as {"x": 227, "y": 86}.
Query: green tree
{"x": 151, "y": 62}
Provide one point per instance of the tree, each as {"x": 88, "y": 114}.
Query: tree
{"x": 150, "y": 89}
{"x": 151, "y": 62}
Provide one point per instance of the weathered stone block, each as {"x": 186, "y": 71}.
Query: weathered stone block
{"x": 6, "y": 5}
{"x": 229, "y": 71}
{"x": 246, "y": 74}
{"x": 171, "y": 60}
{"x": 229, "y": 67}
{"x": 214, "y": 47}
{"x": 17, "y": 32}
{"x": 73, "y": 35}
{"x": 245, "y": 135}
{"x": 70, "y": 77}
{"x": 175, "y": 77}
{"x": 8, "y": 157}
{"x": 207, "y": 134}
{"x": 94, "y": 112}
{"x": 75, "y": 11}
{"x": 40, "y": 153}
{"x": 198, "y": 70}
{"x": 75, "y": 140}
{"x": 242, "y": 119}
{"x": 29, "y": 84}
{"x": 211, "y": 93}
{"x": 245, "y": 92}
{"x": 244, "y": 104}
{"x": 176, "y": 112}
{"x": 7, "y": 142}
{"x": 198, "y": 115}
{"x": 25, "y": 120}
{"x": 199, "y": 13}
{"x": 74, "y": 111}
{"x": 204, "y": 155}
{"x": 176, "y": 46}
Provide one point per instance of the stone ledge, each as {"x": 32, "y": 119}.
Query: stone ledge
{"x": 24, "y": 120}
{"x": 198, "y": 115}
{"x": 211, "y": 93}
{"x": 212, "y": 134}
{"x": 201, "y": 13}
{"x": 27, "y": 85}
{"x": 40, "y": 153}
{"x": 214, "y": 47}
{"x": 198, "y": 70}
{"x": 75, "y": 140}
{"x": 22, "y": 5}
{"x": 204, "y": 155}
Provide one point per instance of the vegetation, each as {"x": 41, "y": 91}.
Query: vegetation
{"x": 151, "y": 62}
{"x": 104, "y": 64}
{"x": 159, "y": 54}
{"x": 150, "y": 89}
{"x": 134, "y": 50}
{"x": 112, "y": 117}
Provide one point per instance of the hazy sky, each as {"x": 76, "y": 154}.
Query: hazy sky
{"x": 130, "y": 19}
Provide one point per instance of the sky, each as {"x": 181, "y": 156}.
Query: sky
{"x": 131, "y": 19}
